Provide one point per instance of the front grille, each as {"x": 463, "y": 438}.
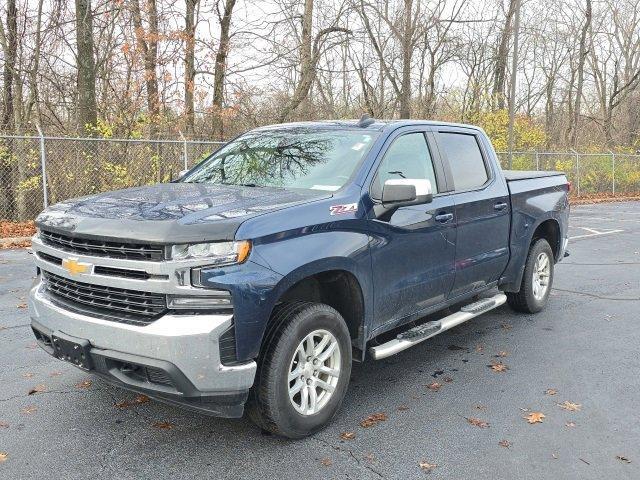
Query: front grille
{"x": 119, "y": 304}
{"x": 121, "y": 272}
{"x": 85, "y": 246}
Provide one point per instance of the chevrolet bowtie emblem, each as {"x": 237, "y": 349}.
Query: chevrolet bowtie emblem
{"x": 74, "y": 267}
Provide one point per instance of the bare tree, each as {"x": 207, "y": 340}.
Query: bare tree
{"x": 220, "y": 69}
{"x": 87, "y": 114}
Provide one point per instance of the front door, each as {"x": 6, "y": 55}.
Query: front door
{"x": 413, "y": 248}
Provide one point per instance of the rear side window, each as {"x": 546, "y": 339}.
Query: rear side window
{"x": 407, "y": 157}
{"x": 467, "y": 166}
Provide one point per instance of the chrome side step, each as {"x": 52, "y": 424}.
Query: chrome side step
{"x": 415, "y": 335}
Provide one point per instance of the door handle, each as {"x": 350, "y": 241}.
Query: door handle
{"x": 444, "y": 217}
{"x": 500, "y": 206}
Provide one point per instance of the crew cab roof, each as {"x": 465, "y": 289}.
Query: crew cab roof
{"x": 377, "y": 125}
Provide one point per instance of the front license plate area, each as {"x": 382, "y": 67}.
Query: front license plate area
{"x": 71, "y": 349}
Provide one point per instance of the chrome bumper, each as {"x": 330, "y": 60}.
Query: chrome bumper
{"x": 188, "y": 342}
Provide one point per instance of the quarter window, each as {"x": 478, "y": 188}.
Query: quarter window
{"x": 407, "y": 157}
{"x": 465, "y": 159}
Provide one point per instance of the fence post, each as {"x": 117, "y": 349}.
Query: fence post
{"x": 577, "y": 172}
{"x": 613, "y": 172}
{"x": 43, "y": 166}
{"x": 537, "y": 160}
{"x": 184, "y": 150}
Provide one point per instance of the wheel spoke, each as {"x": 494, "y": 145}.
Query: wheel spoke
{"x": 327, "y": 353}
{"x": 332, "y": 372}
{"x": 325, "y": 386}
{"x": 304, "y": 398}
{"x": 313, "y": 398}
{"x": 296, "y": 388}
{"x": 309, "y": 346}
{"x": 296, "y": 373}
{"x": 323, "y": 343}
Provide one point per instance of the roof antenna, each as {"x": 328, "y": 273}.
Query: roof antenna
{"x": 365, "y": 121}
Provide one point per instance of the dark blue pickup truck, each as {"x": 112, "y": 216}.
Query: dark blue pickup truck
{"x": 260, "y": 276}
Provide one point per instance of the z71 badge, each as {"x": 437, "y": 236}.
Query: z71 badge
{"x": 341, "y": 209}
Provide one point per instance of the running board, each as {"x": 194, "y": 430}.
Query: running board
{"x": 415, "y": 335}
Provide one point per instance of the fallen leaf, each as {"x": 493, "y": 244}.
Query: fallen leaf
{"x": 623, "y": 459}
{"x": 141, "y": 399}
{"x": 369, "y": 457}
{"x": 448, "y": 379}
{"x": 3, "y": 456}
{"x": 403, "y": 408}
{"x": 29, "y": 410}
{"x": 570, "y": 406}
{"x": 347, "y": 435}
{"x": 502, "y": 354}
{"x": 4, "y": 425}
{"x": 479, "y": 348}
{"x": 535, "y": 417}
{"x": 28, "y": 375}
{"x": 570, "y": 424}
{"x": 506, "y": 326}
{"x": 124, "y": 404}
{"x": 55, "y": 374}
{"x": 84, "y": 384}
{"x": 498, "y": 367}
{"x": 373, "y": 420}
{"x": 37, "y": 389}
{"x": 31, "y": 346}
{"x": 22, "y": 305}
{"x": 326, "y": 462}
{"x": 163, "y": 425}
{"x": 426, "y": 466}
{"x": 504, "y": 443}
{"x": 476, "y": 422}
{"x": 480, "y": 407}
{"x": 434, "y": 386}
{"x": 550, "y": 391}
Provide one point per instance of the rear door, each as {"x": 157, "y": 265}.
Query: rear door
{"x": 481, "y": 207}
{"x": 413, "y": 247}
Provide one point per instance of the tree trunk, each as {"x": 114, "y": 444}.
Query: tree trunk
{"x": 573, "y": 140}
{"x": 148, "y": 45}
{"x": 407, "y": 55}
{"x": 10, "y": 47}
{"x": 220, "y": 69}
{"x": 87, "y": 114}
{"x": 189, "y": 63}
{"x": 500, "y": 70}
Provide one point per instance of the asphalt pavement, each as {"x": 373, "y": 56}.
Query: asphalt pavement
{"x": 576, "y": 363}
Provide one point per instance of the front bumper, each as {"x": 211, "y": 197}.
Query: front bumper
{"x": 175, "y": 359}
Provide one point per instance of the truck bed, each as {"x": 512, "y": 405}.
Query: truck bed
{"x": 514, "y": 175}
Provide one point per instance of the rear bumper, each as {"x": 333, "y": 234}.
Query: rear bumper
{"x": 175, "y": 359}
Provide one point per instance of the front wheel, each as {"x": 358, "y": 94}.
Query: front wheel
{"x": 303, "y": 372}
{"x": 536, "y": 281}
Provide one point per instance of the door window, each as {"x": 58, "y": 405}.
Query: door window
{"x": 407, "y": 157}
{"x": 465, "y": 159}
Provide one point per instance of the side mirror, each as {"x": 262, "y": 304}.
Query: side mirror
{"x": 399, "y": 192}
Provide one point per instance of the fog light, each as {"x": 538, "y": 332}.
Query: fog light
{"x": 219, "y": 299}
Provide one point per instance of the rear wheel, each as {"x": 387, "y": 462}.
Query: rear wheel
{"x": 303, "y": 372}
{"x": 536, "y": 281}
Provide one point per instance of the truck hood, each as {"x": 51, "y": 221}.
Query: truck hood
{"x": 170, "y": 212}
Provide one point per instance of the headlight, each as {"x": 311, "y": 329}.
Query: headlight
{"x": 218, "y": 253}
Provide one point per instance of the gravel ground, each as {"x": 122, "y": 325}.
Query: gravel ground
{"x": 584, "y": 346}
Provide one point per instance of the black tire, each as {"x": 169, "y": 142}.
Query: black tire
{"x": 525, "y": 300}
{"x": 269, "y": 405}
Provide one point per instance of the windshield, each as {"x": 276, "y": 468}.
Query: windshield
{"x": 301, "y": 158}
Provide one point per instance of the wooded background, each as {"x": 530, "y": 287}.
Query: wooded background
{"x": 214, "y": 68}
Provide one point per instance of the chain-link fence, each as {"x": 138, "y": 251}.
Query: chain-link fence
{"x": 589, "y": 173}
{"x": 74, "y": 167}
{"x": 81, "y": 166}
